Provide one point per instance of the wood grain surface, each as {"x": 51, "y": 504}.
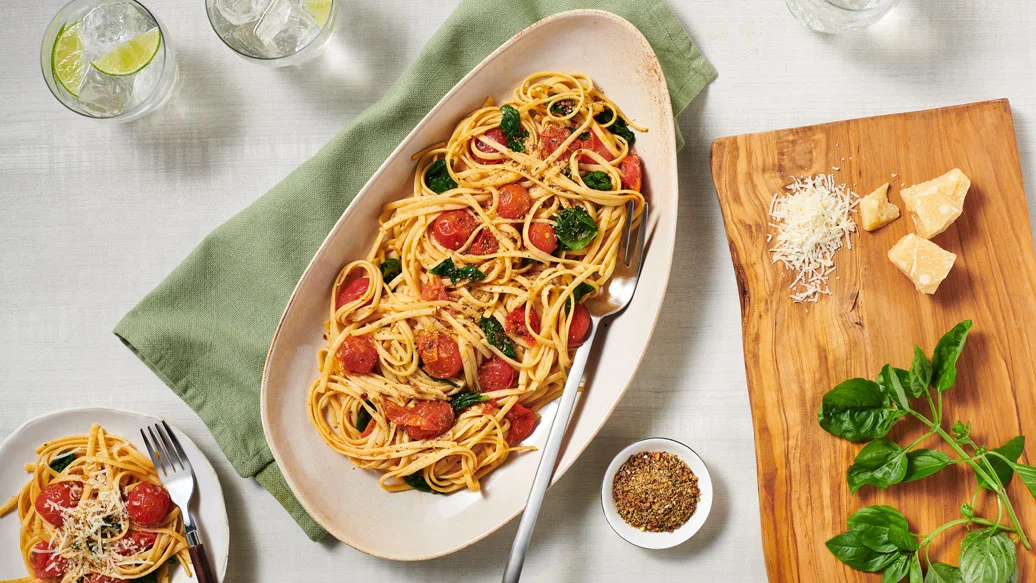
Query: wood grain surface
{"x": 794, "y": 353}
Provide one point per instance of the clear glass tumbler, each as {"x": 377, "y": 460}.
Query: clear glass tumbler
{"x": 273, "y": 32}
{"x": 108, "y": 59}
{"x": 839, "y": 16}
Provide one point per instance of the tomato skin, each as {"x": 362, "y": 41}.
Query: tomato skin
{"x": 523, "y": 421}
{"x": 46, "y": 564}
{"x": 148, "y": 504}
{"x": 64, "y": 495}
{"x": 485, "y": 243}
{"x": 632, "y": 175}
{"x": 579, "y": 326}
{"x": 543, "y": 237}
{"x": 593, "y": 143}
{"x": 495, "y": 375}
{"x": 497, "y": 135}
{"x": 352, "y": 291}
{"x": 440, "y": 354}
{"x": 434, "y": 290}
{"x": 424, "y": 420}
{"x": 453, "y": 228}
{"x": 358, "y": 354}
{"x": 551, "y": 139}
{"x": 514, "y": 201}
{"x": 136, "y": 541}
{"x": 515, "y": 323}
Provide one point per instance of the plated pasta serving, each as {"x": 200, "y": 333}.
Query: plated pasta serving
{"x": 459, "y": 323}
{"x": 94, "y": 511}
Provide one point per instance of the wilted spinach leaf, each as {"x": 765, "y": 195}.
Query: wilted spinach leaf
{"x": 438, "y": 178}
{"x": 575, "y": 228}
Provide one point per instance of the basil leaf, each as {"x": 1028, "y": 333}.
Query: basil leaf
{"x": 1011, "y": 450}
{"x": 987, "y": 558}
{"x": 944, "y": 360}
{"x": 448, "y": 269}
{"x": 897, "y": 570}
{"x": 442, "y": 381}
{"x": 943, "y": 573}
{"x": 922, "y": 463}
{"x": 59, "y": 462}
{"x": 438, "y": 178}
{"x": 575, "y": 228}
{"x": 920, "y": 373}
{"x": 390, "y": 268}
{"x": 363, "y": 418}
{"x": 882, "y": 529}
{"x": 857, "y": 410}
{"x": 915, "y": 569}
{"x": 848, "y": 549}
{"x": 444, "y": 269}
{"x": 417, "y": 482}
{"x": 891, "y": 380}
{"x": 597, "y": 180}
{"x": 562, "y": 107}
{"x": 1028, "y": 475}
{"x": 511, "y": 123}
{"x": 880, "y": 463}
{"x": 577, "y": 294}
{"x": 618, "y": 128}
{"x": 465, "y": 400}
{"x": 496, "y": 336}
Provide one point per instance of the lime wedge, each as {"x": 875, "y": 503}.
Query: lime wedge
{"x": 320, "y": 10}
{"x": 66, "y": 60}
{"x": 131, "y": 56}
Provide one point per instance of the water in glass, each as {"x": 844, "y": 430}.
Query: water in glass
{"x": 838, "y": 16}
{"x": 278, "y": 31}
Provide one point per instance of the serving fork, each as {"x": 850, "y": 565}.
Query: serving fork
{"x": 617, "y": 295}
{"x": 177, "y": 475}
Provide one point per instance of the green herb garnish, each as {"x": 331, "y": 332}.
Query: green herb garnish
{"x": 577, "y": 294}
{"x": 465, "y": 400}
{"x": 448, "y": 269}
{"x": 58, "y": 463}
{"x": 390, "y": 268}
{"x": 598, "y": 180}
{"x": 496, "y": 336}
{"x": 442, "y": 381}
{"x": 417, "y": 482}
{"x": 584, "y": 136}
{"x": 562, "y": 107}
{"x": 511, "y": 124}
{"x": 618, "y": 128}
{"x": 575, "y": 228}
{"x": 438, "y": 178}
{"x": 363, "y": 417}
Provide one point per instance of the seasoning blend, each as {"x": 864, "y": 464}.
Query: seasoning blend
{"x": 655, "y": 491}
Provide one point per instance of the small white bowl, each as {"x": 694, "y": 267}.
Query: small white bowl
{"x": 658, "y": 540}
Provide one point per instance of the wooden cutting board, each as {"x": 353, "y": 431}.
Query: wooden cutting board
{"x": 794, "y": 353}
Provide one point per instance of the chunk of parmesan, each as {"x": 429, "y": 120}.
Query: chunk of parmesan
{"x": 935, "y": 204}
{"x": 875, "y": 209}
{"x": 812, "y": 221}
{"x": 924, "y": 262}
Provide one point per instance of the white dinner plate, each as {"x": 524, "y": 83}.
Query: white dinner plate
{"x": 348, "y": 501}
{"x": 20, "y": 448}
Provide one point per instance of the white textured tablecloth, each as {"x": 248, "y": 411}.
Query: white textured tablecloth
{"x": 93, "y": 215}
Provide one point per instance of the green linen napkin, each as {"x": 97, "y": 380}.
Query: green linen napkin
{"x": 206, "y": 329}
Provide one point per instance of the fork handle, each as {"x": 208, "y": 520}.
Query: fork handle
{"x": 200, "y": 560}
{"x": 545, "y": 471}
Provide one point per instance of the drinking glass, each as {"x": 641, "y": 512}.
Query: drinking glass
{"x": 838, "y": 16}
{"x": 108, "y": 59}
{"x": 273, "y": 32}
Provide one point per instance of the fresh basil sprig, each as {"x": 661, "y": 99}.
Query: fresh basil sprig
{"x": 59, "y": 462}
{"x": 496, "y": 336}
{"x": 448, "y": 269}
{"x": 511, "y": 124}
{"x": 575, "y": 228}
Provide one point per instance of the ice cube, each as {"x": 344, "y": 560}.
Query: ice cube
{"x": 105, "y": 95}
{"x": 145, "y": 80}
{"x": 286, "y": 28}
{"x": 112, "y": 24}
{"x": 238, "y": 12}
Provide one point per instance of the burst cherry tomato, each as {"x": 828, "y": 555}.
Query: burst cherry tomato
{"x": 631, "y": 172}
{"x": 484, "y": 244}
{"x": 46, "y": 563}
{"x": 434, "y": 290}
{"x": 551, "y": 139}
{"x": 95, "y": 578}
{"x": 148, "y": 504}
{"x": 135, "y": 541}
{"x": 495, "y": 375}
{"x": 514, "y": 201}
{"x": 358, "y": 354}
{"x": 497, "y": 135}
{"x": 56, "y": 498}
{"x": 542, "y": 237}
{"x": 523, "y": 421}
{"x": 352, "y": 291}
{"x": 594, "y": 144}
{"x": 579, "y": 326}
{"x": 453, "y": 228}
{"x": 515, "y": 323}
{"x": 440, "y": 354}
{"x": 424, "y": 419}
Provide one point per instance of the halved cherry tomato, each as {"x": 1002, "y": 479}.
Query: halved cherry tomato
{"x": 440, "y": 354}
{"x": 523, "y": 421}
{"x": 46, "y": 563}
{"x": 95, "y": 578}
{"x": 369, "y": 429}
{"x": 434, "y": 290}
{"x": 135, "y": 541}
{"x": 495, "y": 374}
{"x": 497, "y": 135}
{"x": 579, "y": 326}
{"x": 358, "y": 354}
{"x": 352, "y": 291}
{"x": 631, "y": 172}
{"x": 515, "y": 323}
{"x": 593, "y": 143}
{"x": 452, "y": 228}
{"x": 56, "y": 498}
{"x": 147, "y": 504}
{"x": 514, "y": 201}
{"x": 543, "y": 237}
{"x": 424, "y": 419}
{"x": 484, "y": 244}
{"x": 551, "y": 139}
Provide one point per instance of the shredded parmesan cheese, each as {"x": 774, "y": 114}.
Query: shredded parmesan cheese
{"x": 812, "y": 220}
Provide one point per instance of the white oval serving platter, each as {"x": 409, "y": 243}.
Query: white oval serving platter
{"x": 348, "y": 501}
